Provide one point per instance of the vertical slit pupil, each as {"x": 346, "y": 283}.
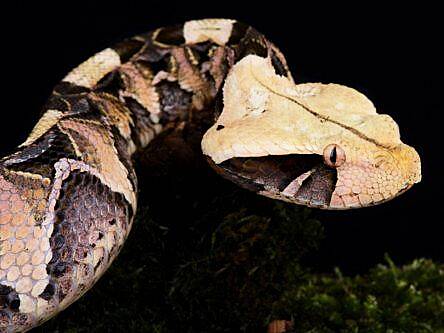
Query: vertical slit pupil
{"x": 333, "y": 155}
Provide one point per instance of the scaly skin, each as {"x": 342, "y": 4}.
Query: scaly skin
{"x": 68, "y": 194}
{"x": 266, "y": 114}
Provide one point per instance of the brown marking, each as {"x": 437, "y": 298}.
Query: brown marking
{"x": 39, "y": 157}
{"x": 174, "y": 101}
{"x": 168, "y": 36}
{"x": 144, "y": 128}
{"x": 49, "y": 119}
{"x": 252, "y": 42}
{"x": 97, "y": 147}
{"x": 191, "y": 80}
{"x": 85, "y": 207}
{"x": 117, "y": 114}
{"x": 272, "y": 172}
{"x": 278, "y": 62}
{"x": 221, "y": 61}
{"x": 129, "y": 47}
{"x": 318, "y": 187}
{"x": 139, "y": 87}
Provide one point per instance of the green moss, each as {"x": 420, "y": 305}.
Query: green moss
{"x": 388, "y": 299}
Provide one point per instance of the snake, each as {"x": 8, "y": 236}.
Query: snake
{"x": 68, "y": 193}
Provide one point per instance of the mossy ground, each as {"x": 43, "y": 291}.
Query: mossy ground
{"x": 205, "y": 256}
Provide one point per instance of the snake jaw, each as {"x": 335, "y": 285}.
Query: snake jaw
{"x": 299, "y": 179}
{"x": 368, "y": 177}
{"x": 307, "y": 180}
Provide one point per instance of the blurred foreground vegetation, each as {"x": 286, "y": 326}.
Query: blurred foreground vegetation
{"x": 239, "y": 275}
{"x": 209, "y": 257}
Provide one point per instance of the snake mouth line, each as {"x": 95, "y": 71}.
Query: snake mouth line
{"x": 302, "y": 179}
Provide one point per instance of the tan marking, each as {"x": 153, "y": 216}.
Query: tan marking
{"x": 17, "y": 246}
{"x": 27, "y": 304}
{"x": 37, "y": 257}
{"x": 92, "y": 70}
{"x": 216, "y": 30}
{"x": 98, "y": 151}
{"x": 22, "y": 258}
{"x": 13, "y": 273}
{"x": 71, "y": 140}
{"x": 39, "y": 272}
{"x": 191, "y": 56}
{"x": 49, "y": 119}
{"x": 252, "y": 88}
{"x": 19, "y": 217}
{"x": 97, "y": 255}
{"x": 5, "y": 248}
{"x": 46, "y": 181}
{"x": 294, "y": 186}
{"x": 5, "y": 218}
{"x": 189, "y": 76}
{"x": 118, "y": 116}
{"x": 32, "y": 244}
{"x": 38, "y": 288}
{"x": 22, "y": 232}
{"x": 220, "y": 54}
{"x": 26, "y": 269}
{"x": 44, "y": 245}
{"x": 154, "y": 38}
{"x": 48, "y": 257}
{"x": 7, "y": 260}
{"x": 139, "y": 87}
{"x": 24, "y": 285}
{"x": 44, "y": 308}
{"x": 163, "y": 75}
{"x": 38, "y": 232}
{"x": 6, "y": 232}
{"x": 190, "y": 79}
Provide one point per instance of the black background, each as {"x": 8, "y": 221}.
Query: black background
{"x": 389, "y": 54}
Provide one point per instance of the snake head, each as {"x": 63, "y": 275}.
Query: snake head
{"x": 320, "y": 145}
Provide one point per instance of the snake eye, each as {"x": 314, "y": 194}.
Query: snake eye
{"x": 334, "y": 156}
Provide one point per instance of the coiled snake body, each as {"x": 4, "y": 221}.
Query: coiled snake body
{"x": 68, "y": 194}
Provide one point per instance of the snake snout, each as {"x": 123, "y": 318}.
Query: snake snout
{"x": 414, "y": 166}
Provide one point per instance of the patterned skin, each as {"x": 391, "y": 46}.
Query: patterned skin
{"x": 68, "y": 194}
{"x": 338, "y": 151}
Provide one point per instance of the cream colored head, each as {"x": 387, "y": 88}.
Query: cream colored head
{"x": 343, "y": 153}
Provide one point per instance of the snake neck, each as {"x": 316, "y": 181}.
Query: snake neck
{"x": 166, "y": 79}
{"x": 70, "y": 191}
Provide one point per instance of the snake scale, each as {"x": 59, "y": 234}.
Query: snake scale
{"x": 68, "y": 194}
